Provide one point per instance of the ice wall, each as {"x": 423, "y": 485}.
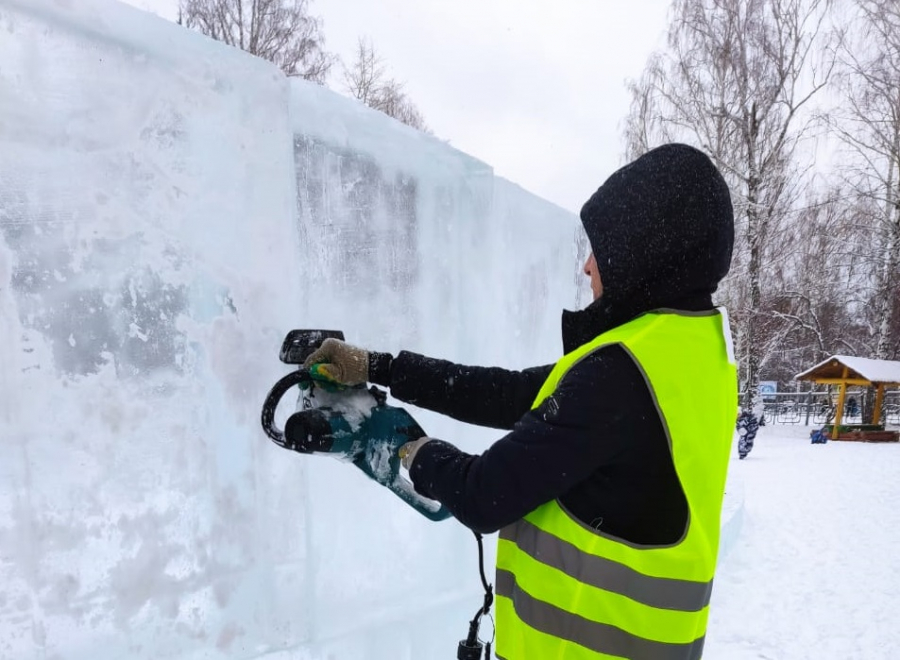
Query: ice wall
{"x": 169, "y": 208}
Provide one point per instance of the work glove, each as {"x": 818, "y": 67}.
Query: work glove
{"x": 408, "y": 451}
{"x": 340, "y": 362}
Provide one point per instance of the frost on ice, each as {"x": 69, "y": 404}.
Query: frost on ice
{"x": 169, "y": 209}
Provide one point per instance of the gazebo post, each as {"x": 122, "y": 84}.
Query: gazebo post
{"x": 839, "y": 413}
{"x": 879, "y": 399}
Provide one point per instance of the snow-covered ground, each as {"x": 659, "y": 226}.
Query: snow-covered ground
{"x": 814, "y": 571}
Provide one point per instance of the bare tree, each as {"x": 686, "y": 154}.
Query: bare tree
{"x": 735, "y": 80}
{"x": 868, "y": 123}
{"x": 645, "y": 126}
{"x": 363, "y": 79}
{"x": 281, "y": 31}
{"x": 367, "y": 80}
{"x": 816, "y": 293}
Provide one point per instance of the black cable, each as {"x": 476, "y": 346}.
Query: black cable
{"x": 488, "y": 589}
{"x": 470, "y": 648}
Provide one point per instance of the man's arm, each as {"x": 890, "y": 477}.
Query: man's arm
{"x": 550, "y": 450}
{"x": 486, "y": 396}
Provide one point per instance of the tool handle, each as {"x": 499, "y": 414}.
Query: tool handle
{"x": 389, "y": 428}
{"x": 431, "y": 509}
{"x": 300, "y": 344}
{"x": 401, "y": 486}
{"x": 313, "y": 431}
{"x": 273, "y": 398}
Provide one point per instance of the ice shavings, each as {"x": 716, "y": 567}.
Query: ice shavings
{"x": 381, "y": 458}
{"x": 406, "y": 486}
{"x": 353, "y": 404}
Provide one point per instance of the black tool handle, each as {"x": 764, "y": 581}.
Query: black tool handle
{"x": 300, "y": 344}
{"x": 273, "y": 398}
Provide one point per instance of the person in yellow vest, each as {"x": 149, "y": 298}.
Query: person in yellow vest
{"x": 608, "y": 487}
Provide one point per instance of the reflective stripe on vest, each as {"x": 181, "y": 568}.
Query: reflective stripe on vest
{"x": 565, "y": 590}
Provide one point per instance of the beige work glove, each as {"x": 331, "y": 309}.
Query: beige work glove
{"x": 340, "y": 362}
{"x": 408, "y": 451}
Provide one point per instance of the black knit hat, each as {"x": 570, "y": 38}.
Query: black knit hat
{"x": 661, "y": 228}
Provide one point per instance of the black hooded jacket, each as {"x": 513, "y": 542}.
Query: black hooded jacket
{"x": 662, "y": 230}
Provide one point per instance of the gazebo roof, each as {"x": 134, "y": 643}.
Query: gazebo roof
{"x": 886, "y": 372}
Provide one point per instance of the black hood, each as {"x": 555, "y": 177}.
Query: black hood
{"x": 662, "y": 231}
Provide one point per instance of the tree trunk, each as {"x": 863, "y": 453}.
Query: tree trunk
{"x": 751, "y": 319}
{"x": 754, "y": 240}
{"x": 887, "y": 287}
{"x": 890, "y": 257}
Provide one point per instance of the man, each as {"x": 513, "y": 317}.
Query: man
{"x": 607, "y": 490}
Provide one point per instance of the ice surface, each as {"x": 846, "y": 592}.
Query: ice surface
{"x": 169, "y": 209}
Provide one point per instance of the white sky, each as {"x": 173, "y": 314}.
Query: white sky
{"x": 537, "y": 94}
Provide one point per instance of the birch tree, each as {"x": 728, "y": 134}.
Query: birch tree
{"x": 868, "y": 124}
{"x": 367, "y": 79}
{"x": 737, "y": 80}
{"x": 815, "y": 289}
{"x": 281, "y": 31}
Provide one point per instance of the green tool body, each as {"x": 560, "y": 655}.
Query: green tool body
{"x": 352, "y": 424}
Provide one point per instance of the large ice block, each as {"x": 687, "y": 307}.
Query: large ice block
{"x": 169, "y": 208}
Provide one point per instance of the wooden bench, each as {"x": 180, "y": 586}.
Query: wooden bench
{"x": 870, "y": 436}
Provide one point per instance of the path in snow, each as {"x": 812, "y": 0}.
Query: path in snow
{"x": 814, "y": 573}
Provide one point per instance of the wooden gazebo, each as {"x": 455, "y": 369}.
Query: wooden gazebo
{"x": 845, "y": 370}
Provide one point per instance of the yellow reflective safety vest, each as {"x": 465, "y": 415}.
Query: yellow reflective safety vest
{"x": 565, "y": 590}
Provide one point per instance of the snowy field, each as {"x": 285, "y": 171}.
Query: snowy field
{"x": 813, "y": 573}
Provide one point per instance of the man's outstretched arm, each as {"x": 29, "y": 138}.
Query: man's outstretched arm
{"x": 553, "y": 448}
{"x": 486, "y": 396}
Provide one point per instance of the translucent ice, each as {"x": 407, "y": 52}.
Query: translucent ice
{"x": 169, "y": 209}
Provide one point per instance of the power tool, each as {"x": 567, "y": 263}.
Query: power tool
{"x": 353, "y": 424}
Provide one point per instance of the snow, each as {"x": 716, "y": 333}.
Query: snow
{"x": 875, "y": 371}
{"x": 169, "y": 209}
{"x": 812, "y": 574}
{"x": 354, "y": 404}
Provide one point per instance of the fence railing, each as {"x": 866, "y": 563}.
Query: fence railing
{"x": 816, "y": 408}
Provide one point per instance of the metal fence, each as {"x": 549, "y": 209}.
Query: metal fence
{"x": 817, "y": 408}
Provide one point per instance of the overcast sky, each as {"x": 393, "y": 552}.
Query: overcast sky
{"x": 536, "y": 92}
